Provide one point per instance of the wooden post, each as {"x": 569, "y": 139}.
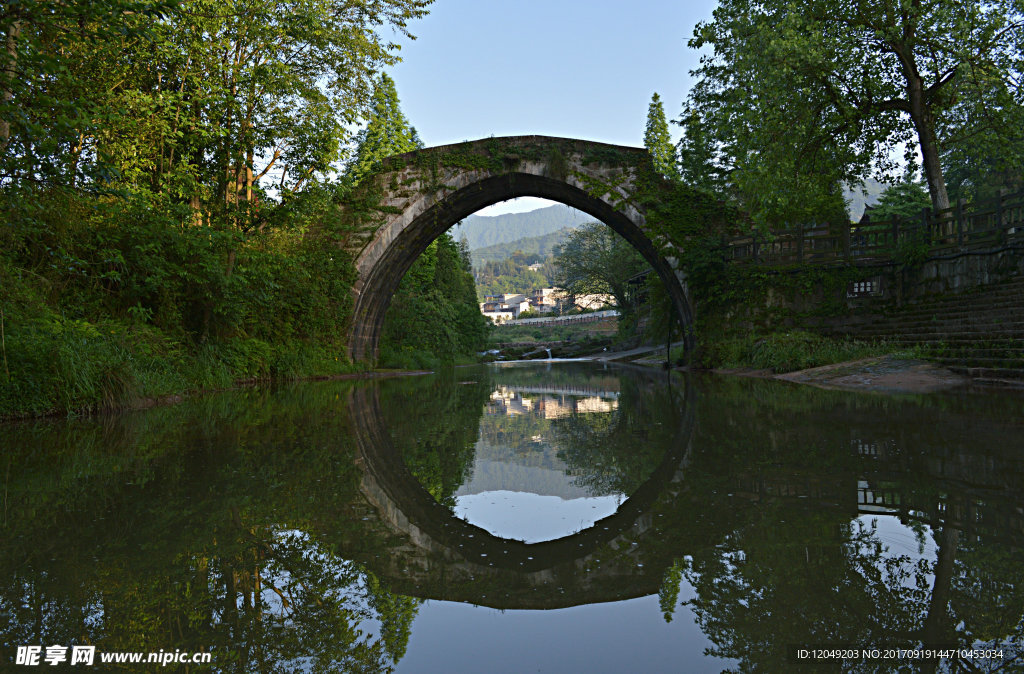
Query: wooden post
{"x": 926, "y": 227}
{"x": 1000, "y": 230}
{"x": 960, "y": 222}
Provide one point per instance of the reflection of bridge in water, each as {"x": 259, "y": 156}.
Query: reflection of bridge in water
{"x": 448, "y": 558}
{"x": 579, "y": 391}
{"x": 550, "y": 402}
{"x": 626, "y": 554}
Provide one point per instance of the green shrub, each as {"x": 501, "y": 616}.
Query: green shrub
{"x": 785, "y": 351}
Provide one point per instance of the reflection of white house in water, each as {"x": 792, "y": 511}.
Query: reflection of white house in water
{"x": 509, "y": 401}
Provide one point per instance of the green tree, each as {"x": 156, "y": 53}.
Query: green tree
{"x": 53, "y": 92}
{"x": 823, "y": 87}
{"x": 699, "y": 164}
{"x": 596, "y": 260}
{"x": 434, "y": 314}
{"x": 196, "y": 102}
{"x": 387, "y": 133}
{"x": 657, "y": 140}
{"x": 903, "y": 201}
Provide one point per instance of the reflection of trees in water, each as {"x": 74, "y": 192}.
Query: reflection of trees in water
{"x": 607, "y": 452}
{"x": 435, "y": 422}
{"x": 615, "y": 452}
{"x": 798, "y": 576}
{"x": 192, "y": 527}
{"x": 515, "y": 433}
{"x": 795, "y": 568}
{"x": 776, "y": 583}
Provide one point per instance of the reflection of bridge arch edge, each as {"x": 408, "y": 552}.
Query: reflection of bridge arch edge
{"x": 404, "y": 236}
{"x": 402, "y": 500}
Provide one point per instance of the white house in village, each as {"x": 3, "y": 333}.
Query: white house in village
{"x": 501, "y": 308}
{"x": 507, "y": 307}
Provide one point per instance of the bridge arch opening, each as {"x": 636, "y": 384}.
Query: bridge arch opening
{"x": 398, "y": 243}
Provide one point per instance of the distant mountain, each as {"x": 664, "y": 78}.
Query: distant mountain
{"x": 532, "y": 245}
{"x": 859, "y": 199}
{"x": 487, "y": 230}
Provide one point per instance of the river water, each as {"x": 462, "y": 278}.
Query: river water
{"x": 553, "y": 517}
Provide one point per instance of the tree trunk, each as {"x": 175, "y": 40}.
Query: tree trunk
{"x": 10, "y": 67}
{"x": 930, "y": 159}
{"x": 936, "y": 623}
{"x": 924, "y": 123}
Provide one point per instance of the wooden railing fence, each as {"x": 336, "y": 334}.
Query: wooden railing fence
{"x": 987, "y": 225}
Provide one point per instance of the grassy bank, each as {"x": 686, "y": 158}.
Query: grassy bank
{"x": 786, "y": 351}
{"x": 56, "y": 365}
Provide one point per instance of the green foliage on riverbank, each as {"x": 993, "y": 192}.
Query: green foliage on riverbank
{"x": 110, "y": 299}
{"x": 167, "y": 221}
{"x": 434, "y": 319}
{"x": 784, "y": 351}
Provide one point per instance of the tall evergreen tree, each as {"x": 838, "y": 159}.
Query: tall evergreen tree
{"x": 657, "y": 140}
{"x": 387, "y": 133}
{"x": 699, "y": 164}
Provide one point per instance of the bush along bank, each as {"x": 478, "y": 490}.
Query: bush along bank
{"x": 106, "y": 300}
{"x": 110, "y": 300}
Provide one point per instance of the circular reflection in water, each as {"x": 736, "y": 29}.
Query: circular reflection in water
{"x": 565, "y": 431}
{"x": 554, "y": 452}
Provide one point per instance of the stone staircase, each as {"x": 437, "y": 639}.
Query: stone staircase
{"x": 979, "y": 333}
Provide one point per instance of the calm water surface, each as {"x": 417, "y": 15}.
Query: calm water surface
{"x": 554, "y": 517}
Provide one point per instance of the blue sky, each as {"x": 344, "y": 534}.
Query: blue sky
{"x": 581, "y": 69}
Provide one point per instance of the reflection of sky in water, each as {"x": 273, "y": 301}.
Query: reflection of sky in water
{"x": 899, "y": 540}
{"x": 530, "y": 517}
{"x": 623, "y": 636}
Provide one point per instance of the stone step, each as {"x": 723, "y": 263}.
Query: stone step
{"x": 1011, "y": 324}
{"x": 932, "y": 328}
{"x": 967, "y": 351}
{"x": 971, "y": 302}
{"x": 978, "y": 312}
{"x": 932, "y": 336}
{"x": 998, "y": 292}
{"x": 953, "y": 310}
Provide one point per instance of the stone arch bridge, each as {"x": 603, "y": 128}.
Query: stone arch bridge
{"x": 417, "y": 196}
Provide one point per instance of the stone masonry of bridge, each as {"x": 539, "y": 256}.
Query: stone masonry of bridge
{"x": 417, "y": 196}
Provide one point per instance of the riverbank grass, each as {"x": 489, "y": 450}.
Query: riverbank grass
{"x": 55, "y": 365}
{"x": 788, "y": 351}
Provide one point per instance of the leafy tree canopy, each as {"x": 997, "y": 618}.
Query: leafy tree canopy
{"x": 200, "y": 101}
{"x": 596, "y": 260}
{"x": 801, "y": 95}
